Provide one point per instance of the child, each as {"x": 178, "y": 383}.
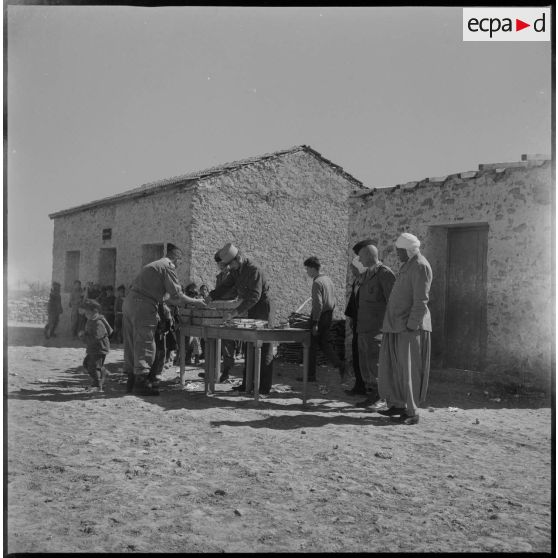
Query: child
{"x": 96, "y": 337}
{"x": 54, "y": 310}
{"x": 119, "y": 301}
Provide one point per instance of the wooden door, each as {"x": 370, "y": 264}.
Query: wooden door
{"x": 466, "y": 298}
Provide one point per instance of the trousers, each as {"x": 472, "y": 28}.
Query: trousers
{"x": 266, "y": 369}
{"x": 74, "y": 321}
{"x": 322, "y": 341}
{"x": 405, "y": 369}
{"x": 227, "y": 352}
{"x": 359, "y": 380}
{"x": 368, "y": 357}
{"x": 139, "y": 321}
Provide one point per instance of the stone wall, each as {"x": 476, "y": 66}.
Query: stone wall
{"x": 158, "y": 218}
{"x": 279, "y": 212}
{"x": 28, "y": 309}
{"x": 515, "y": 203}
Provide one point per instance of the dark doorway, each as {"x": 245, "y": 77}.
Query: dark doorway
{"x": 71, "y": 270}
{"x": 466, "y": 298}
{"x": 107, "y": 267}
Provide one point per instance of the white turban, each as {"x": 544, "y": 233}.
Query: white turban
{"x": 408, "y": 242}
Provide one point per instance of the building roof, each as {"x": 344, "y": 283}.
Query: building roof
{"x": 192, "y": 178}
{"x": 527, "y": 162}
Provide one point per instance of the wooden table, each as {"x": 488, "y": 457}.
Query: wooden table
{"x": 254, "y": 338}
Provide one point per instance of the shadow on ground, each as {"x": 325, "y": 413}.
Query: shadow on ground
{"x": 447, "y": 388}
{"x": 71, "y": 384}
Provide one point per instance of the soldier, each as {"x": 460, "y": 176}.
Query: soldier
{"x": 140, "y": 317}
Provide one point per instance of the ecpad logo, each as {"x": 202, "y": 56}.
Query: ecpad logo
{"x": 506, "y": 24}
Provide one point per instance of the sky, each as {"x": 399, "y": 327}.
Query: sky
{"x": 102, "y": 99}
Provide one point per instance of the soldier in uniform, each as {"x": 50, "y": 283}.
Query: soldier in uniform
{"x": 140, "y": 317}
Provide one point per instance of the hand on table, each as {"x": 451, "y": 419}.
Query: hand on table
{"x": 230, "y": 315}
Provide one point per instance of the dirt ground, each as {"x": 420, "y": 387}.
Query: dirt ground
{"x": 185, "y": 472}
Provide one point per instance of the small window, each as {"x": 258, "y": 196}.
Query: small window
{"x": 107, "y": 234}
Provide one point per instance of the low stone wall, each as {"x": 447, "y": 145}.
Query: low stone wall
{"x": 31, "y": 309}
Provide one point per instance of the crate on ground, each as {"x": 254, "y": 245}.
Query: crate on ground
{"x": 292, "y": 352}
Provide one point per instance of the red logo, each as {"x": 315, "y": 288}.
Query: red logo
{"x": 519, "y": 25}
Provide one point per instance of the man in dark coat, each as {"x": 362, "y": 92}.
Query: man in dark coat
{"x": 351, "y": 311}
{"x": 373, "y": 295}
{"x": 253, "y": 291}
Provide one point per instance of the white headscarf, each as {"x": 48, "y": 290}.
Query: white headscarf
{"x": 408, "y": 242}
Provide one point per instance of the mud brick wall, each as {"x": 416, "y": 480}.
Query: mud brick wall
{"x": 515, "y": 202}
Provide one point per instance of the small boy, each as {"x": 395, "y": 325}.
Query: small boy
{"x": 96, "y": 337}
{"x": 54, "y": 310}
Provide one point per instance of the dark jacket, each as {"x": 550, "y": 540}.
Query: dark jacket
{"x": 96, "y": 336}
{"x": 54, "y": 304}
{"x": 372, "y": 299}
{"x": 352, "y": 308}
{"x": 251, "y": 287}
{"x": 219, "y": 279}
{"x": 107, "y": 304}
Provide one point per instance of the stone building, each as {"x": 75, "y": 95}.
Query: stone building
{"x": 279, "y": 208}
{"x": 488, "y": 236}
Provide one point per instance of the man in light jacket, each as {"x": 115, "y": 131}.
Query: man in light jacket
{"x": 405, "y": 351}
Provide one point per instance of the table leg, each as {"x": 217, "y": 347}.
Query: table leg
{"x": 206, "y": 367}
{"x": 249, "y": 366}
{"x": 305, "y": 355}
{"x": 182, "y": 357}
{"x": 217, "y": 365}
{"x": 210, "y": 347}
{"x": 257, "y": 366}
